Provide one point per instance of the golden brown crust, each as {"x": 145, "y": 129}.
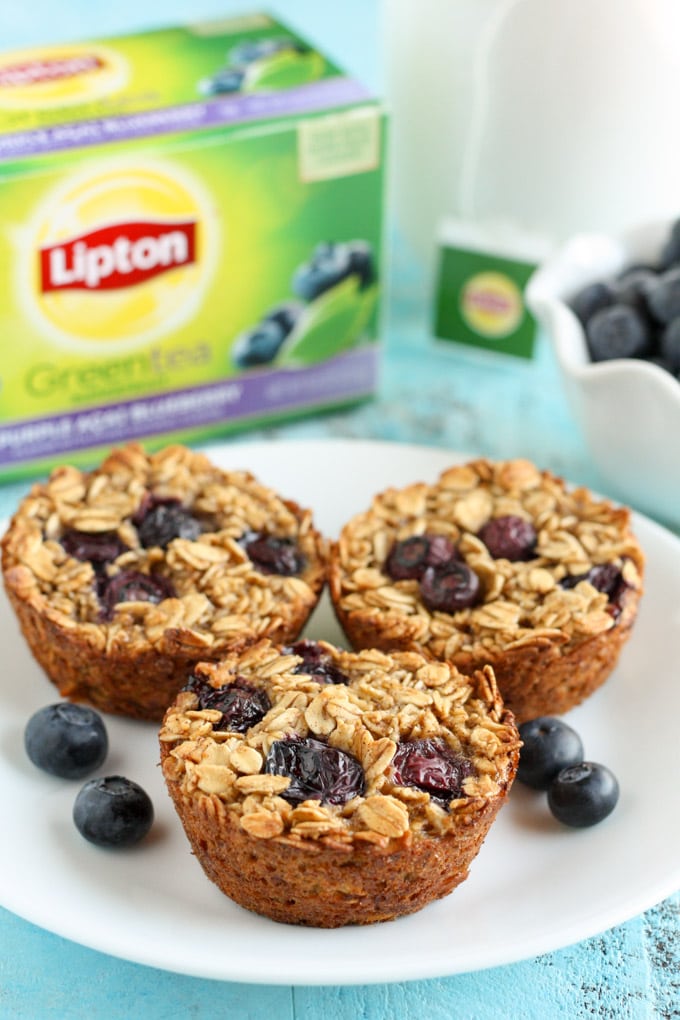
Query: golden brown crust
{"x": 134, "y": 663}
{"x": 385, "y": 853}
{"x": 324, "y": 886}
{"x": 550, "y": 646}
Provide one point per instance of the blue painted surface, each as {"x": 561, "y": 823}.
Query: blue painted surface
{"x": 428, "y": 395}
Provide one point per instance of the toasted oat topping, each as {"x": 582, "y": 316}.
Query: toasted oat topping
{"x": 217, "y": 592}
{"x": 522, "y": 601}
{"x": 389, "y": 699}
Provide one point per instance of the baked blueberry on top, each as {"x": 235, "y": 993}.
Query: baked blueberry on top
{"x": 360, "y": 786}
{"x": 125, "y": 576}
{"x": 500, "y": 563}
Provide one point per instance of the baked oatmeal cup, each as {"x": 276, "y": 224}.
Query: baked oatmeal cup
{"x": 323, "y": 787}
{"x": 498, "y": 563}
{"x": 124, "y": 577}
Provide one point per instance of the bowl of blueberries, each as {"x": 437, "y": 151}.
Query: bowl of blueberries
{"x": 611, "y": 308}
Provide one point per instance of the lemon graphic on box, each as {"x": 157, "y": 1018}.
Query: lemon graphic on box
{"x": 120, "y": 253}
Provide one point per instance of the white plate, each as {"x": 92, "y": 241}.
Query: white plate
{"x": 535, "y": 886}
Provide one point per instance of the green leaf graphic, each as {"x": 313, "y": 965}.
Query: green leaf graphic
{"x": 332, "y": 323}
{"x": 283, "y": 71}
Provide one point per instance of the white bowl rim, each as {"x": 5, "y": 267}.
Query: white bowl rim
{"x": 547, "y": 297}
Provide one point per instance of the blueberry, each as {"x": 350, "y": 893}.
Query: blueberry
{"x": 66, "y": 740}
{"x": 619, "y": 331}
{"x": 670, "y": 253}
{"x": 132, "y": 586}
{"x": 583, "y": 794}
{"x": 223, "y": 82}
{"x": 548, "y": 746}
{"x": 113, "y": 812}
{"x": 273, "y": 555}
{"x": 450, "y": 588}
{"x": 509, "y": 538}
{"x": 432, "y": 766}
{"x": 605, "y": 577}
{"x": 410, "y": 557}
{"x": 361, "y": 263}
{"x": 241, "y": 704}
{"x": 670, "y": 346}
{"x": 286, "y": 315}
{"x": 663, "y": 298}
{"x": 316, "y": 663}
{"x": 96, "y": 547}
{"x": 632, "y": 285}
{"x": 159, "y": 521}
{"x": 591, "y": 299}
{"x": 260, "y": 345}
{"x": 330, "y": 264}
{"x": 317, "y": 771}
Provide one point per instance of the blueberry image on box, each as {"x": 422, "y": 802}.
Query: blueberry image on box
{"x": 265, "y": 65}
{"x": 331, "y": 264}
{"x": 338, "y": 288}
{"x": 260, "y": 345}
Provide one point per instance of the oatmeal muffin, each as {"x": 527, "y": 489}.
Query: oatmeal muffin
{"x": 123, "y": 578}
{"x": 324, "y": 787}
{"x": 496, "y": 563}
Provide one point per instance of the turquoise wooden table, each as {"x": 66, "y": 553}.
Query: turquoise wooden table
{"x": 428, "y": 396}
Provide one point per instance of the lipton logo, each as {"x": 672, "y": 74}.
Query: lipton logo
{"x": 35, "y": 72}
{"x": 117, "y": 256}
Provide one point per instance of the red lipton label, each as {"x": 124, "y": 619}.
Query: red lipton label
{"x": 117, "y": 256}
{"x": 33, "y": 72}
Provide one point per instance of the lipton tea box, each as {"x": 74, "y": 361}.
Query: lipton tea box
{"x": 190, "y": 238}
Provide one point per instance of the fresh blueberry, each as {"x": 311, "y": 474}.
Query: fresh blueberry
{"x": 450, "y": 588}
{"x": 260, "y": 345}
{"x": 548, "y": 746}
{"x": 132, "y": 586}
{"x": 670, "y": 346}
{"x": 432, "y": 766}
{"x": 583, "y": 794}
{"x": 159, "y": 521}
{"x": 590, "y": 299}
{"x": 66, "y": 740}
{"x": 241, "y": 704}
{"x": 410, "y": 557}
{"x": 670, "y": 253}
{"x": 97, "y": 547}
{"x": 632, "y": 285}
{"x": 663, "y": 298}
{"x": 273, "y": 555}
{"x": 316, "y": 663}
{"x": 317, "y": 771}
{"x": 619, "y": 331}
{"x": 225, "y": 81}
{"x": 509, "y": 538}
{"x": 113, "y": 812}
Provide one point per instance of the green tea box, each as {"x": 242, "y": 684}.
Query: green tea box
{"x": 190, "y": 238}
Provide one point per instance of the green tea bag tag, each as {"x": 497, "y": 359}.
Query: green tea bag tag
{"x": 481, "y": 274}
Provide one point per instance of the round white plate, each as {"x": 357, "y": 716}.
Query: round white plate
{"x": 535, "y": 886}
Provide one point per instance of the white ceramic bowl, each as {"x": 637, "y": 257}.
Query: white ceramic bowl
{"x": 628, "y": 410}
